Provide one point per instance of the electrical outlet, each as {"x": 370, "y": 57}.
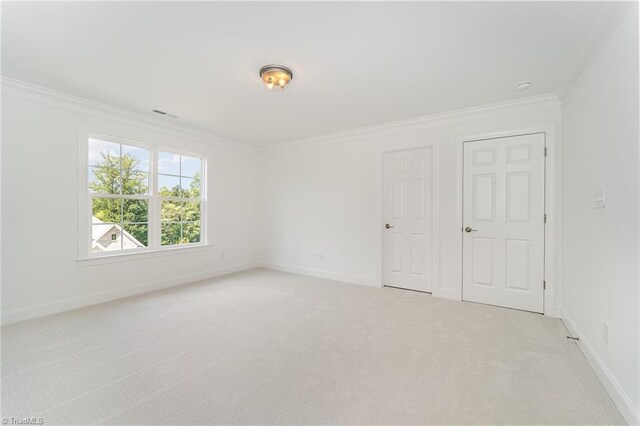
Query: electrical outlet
{"x": 318, "y": 257}
{"x": 605, "y": 332}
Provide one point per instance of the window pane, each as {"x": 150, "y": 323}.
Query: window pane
{"x": 93, "y": 180}
{"x": 101, "y": 152}
{"x": 169, "y": 186}
{"x": 135, "y": 235}
{"x": 135, "y": 158}
{"x": 135, "y": 211}
{"x": 190, "y": 212}
{"x": 190, "y": 166}
{"x": 170, "y": 211}
{"x": 134, "y": 182}
{"x": 190, "y": 187}
{"x": 169, "y": 163}
{"x": 106, "y": 237}
{"x": 170, "y": 234}
{"x": 104, "y": 179}
{"x": 106, "y": 210}
{"x": 191, "y": 232}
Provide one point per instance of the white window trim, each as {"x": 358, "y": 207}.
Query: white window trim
{"x": 154, "y": 249}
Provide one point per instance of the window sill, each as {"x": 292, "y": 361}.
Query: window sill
{"x": 141, "y": 255}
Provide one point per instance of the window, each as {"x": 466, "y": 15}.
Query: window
{"x": 142, "y": 197}
{"x": 179, "y": 191}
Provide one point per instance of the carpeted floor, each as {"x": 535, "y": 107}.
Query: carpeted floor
{"x": 269, "y": 347}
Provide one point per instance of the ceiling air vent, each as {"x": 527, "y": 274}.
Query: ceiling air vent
{"x": 157, "y": 111}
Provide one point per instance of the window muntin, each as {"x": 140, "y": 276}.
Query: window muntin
{"x": 120, "y": 179}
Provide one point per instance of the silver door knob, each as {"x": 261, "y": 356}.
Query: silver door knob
{"x": 468, "y": 229}
{"x": 388, "y": 226}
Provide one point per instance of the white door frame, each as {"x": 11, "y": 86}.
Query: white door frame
{"x": 435, "y": 243}
{"x": 552, "y": 208}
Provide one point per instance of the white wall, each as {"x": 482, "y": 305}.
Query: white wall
{"x": 322, "y": 196}
{"x": 40, "y": 211}
{"x": 600, "y": 247}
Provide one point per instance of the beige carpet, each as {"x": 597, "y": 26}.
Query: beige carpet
{"x": 269, "y": 347}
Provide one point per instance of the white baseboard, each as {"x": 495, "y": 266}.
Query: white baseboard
{"x": 318, "y": 273}
{"x": 559, "y": 313}
{"x": 619, "y": 396}
{"x": 63, "y": 305}
{"x": 445, "y": 293}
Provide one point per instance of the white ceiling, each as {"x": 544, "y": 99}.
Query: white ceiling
{"x": 355, "y": 64}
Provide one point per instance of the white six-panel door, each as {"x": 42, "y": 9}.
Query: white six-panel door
{"x": 503, "y": 222}
{"x": 408, "y": 235}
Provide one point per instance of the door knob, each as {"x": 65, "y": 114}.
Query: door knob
{"x": 388, "y": 226}
{"x": 468, "y": 229}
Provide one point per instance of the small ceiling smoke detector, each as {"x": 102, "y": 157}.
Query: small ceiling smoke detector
{"x": 276, "y": 76}
{"x": 523, "y": 85}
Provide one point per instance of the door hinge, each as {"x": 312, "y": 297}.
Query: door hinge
{"x": 545, "y": 151}
{"x": 545, "y": 218}
{"x": 544, "y": 285}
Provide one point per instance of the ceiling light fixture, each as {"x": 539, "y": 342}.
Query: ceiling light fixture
{"x": 276, "y": 76}
{"x": 523, "y": 85}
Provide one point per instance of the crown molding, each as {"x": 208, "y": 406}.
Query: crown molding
{"x": 533, "y": 103}
{"x": 603, "y": 24}
{"x": 21, "y": 89}
{"x": 24, "y": 90}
